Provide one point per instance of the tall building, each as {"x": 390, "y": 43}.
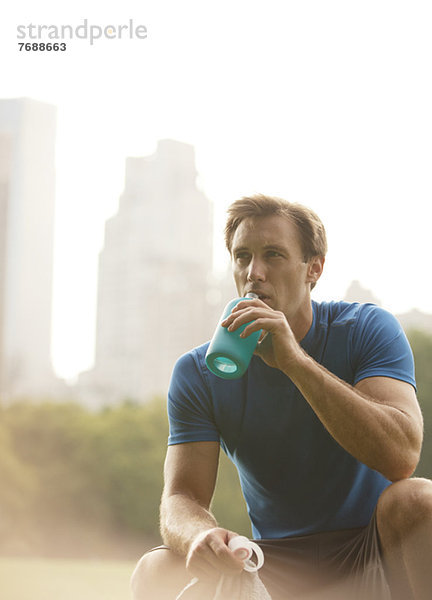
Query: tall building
{"x": 357, "y": 293}
{"x": 153, "y": 278}
{"x": 27, "y": 196}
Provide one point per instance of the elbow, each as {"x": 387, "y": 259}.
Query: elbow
{"x": 404, "y": 467}
{"x": 404, "y": 458}
{"x": 399, "y": 475}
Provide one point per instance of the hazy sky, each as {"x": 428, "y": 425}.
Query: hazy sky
{"x": 325, "y": 103}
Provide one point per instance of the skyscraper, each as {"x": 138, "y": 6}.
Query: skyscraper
{"x": 27, "y": 196}
{"x": 153, "y": 277}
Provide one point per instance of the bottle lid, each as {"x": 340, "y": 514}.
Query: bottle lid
{"x": 250, "y": 548}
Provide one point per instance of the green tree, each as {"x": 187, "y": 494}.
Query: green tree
{"x": 128, "y": 452}
{"x": 18, "y": 485}
{"x": 229, "y": 506}
{"x": 421, "y": 343}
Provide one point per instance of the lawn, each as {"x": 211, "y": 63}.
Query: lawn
{"x": 44, "y": 579}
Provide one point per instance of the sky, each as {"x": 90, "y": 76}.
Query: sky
{"x": 323, "y": 103}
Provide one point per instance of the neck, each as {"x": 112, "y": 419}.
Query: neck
{"x": 301, "y": 322}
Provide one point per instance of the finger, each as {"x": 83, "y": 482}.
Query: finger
{"x": 246, "y": 303}
{"x": 200, "y": 562}
{"x": 234, "y": 314}
{"x": 225, "y": 557}
{"x": 211, "y": 557}
{"x": 245, "y": 316}
{"x": 229, "y": 321}
{"x": 268, "y": 323}
{"x": 263, "y": 336}
{"x": 264, "y": 323}
{"x": 264, "y": 344}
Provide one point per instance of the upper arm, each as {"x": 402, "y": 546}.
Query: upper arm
{"x": 191, "y": 470}
{"x": 190, "y": 404}
{"x": 380, "y": 348}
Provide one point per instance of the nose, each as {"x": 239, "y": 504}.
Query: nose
{"x": 256, "y": 270}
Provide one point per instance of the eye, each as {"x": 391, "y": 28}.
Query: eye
{"x": 241, "y": 257}
{"x": 273, "y": 254}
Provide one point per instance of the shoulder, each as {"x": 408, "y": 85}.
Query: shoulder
{"x": 191, "y": 377}
{"x": 190, "y": 401}
{"x": 193, "y": 359}
{"x": 189, "y": 385}
{"x": 360, "y": 325}
{"x": 335, "y": 309}
{"x": 377, "y": 323}
{"x": 189, "y": 370}
{"x": 340, "y": 313}
{"x": 379, "y": 346}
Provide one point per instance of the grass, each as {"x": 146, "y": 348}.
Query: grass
{"x": 49, "y": 579}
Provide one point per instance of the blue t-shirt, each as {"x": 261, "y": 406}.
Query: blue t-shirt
{"x": 296, "y": 479}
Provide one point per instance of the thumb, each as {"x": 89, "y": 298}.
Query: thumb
{"x": 241, "y": 553}
{"x": 264, "y": 342}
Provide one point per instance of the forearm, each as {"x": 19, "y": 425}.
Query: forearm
{"x": 379, "y": 421}
{"x": 182, "y": 519}
{"x": 379, "y": 435}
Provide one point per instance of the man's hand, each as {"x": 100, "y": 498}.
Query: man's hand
{"x": 278, "y": 346}
{"x": 209, "y": 555}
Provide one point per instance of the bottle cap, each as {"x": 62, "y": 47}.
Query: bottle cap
{"x": 250, "y": 548}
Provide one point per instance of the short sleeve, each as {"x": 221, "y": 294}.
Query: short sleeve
{"x": 380, "y": 347}
{"x": 190, "y": 410}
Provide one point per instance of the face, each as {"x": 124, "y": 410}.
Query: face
{"x": 267, "y": 259}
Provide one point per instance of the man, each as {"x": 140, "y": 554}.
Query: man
{"x": 324, "y": 428}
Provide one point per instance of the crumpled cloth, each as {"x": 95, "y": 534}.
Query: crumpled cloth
{"x": 246, "y": 586}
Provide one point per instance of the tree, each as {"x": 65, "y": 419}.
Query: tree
{"x": 421, "y": 343}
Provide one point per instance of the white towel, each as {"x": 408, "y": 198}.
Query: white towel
{"x": 246, "y": 586}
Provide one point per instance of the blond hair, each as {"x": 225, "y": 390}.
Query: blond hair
{"x": 311, "y": 231}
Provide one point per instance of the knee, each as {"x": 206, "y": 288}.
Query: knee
{"x": 140, "y": 576}
{"x": 156, "y": 573}
{"x": 404, "y": 506}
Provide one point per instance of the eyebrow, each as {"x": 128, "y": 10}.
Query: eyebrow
{"x": 239, "y": 249}
{"x": 276, "y": 247}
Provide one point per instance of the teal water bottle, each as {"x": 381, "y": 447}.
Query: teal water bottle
{"x": 228, "y": 355}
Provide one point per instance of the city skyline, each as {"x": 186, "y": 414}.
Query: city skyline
{"x": 27, "y": 201}
{"x": 153, "y": 285}
{"x": 150, "y": 245}
{"x": 325, "y": 105}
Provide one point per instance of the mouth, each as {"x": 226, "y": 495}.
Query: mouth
{"x": 261, "y": 295}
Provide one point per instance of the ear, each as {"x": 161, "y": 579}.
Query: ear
{"x": 315, "y": 269}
